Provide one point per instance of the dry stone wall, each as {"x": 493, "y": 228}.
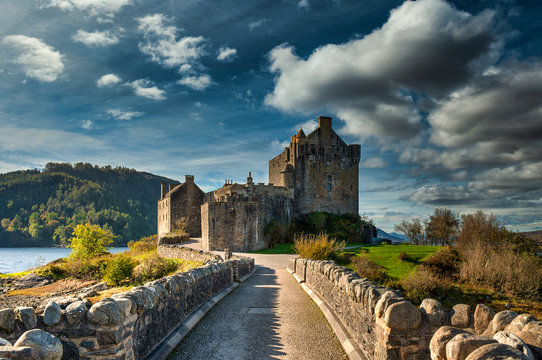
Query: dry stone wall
{"x": 128, "y": 325}
{"x": 386, "y": 326}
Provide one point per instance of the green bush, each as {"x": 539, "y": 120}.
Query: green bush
{"x": 403, "y": 256}
{"x": 154, "y": 267}
{"x": 143, "y": 245}
{"x": 444, "y": 263}
{"x": 119, "y": 270}
{"x": 422, "y": 284}
{"x": 85, "y": 268}
{"x": 90, "y": 240}
{"x": 370, "y": 270}
{"x": 317, "y": 247}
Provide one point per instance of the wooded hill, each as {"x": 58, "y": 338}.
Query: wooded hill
{"x": 41, "y": 208}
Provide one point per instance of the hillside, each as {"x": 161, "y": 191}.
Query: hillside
{"x": 41, "y": 208}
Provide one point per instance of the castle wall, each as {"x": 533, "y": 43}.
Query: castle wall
{"x": 164, "y": 217}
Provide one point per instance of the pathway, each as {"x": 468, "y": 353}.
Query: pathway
{"x": 268, "y": 317}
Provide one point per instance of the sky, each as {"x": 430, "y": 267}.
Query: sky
{"x": 444, "y": 97}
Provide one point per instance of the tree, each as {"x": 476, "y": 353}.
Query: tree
{"x": 89, "y": 240}
{"x": 413, "y": 230}
{"x": 442, "y": 227}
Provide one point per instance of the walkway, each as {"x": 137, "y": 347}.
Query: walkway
{"x": 268, "y": 317}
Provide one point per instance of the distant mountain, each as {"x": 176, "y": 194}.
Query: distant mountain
{"x": 381, "y": 234}
{"x": 41, "y": 208}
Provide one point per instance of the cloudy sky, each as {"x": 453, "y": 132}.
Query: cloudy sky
{"x": 445, "y": 98}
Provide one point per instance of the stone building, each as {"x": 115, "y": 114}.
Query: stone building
{"x": 322, "y": 170}
{"x": 181, "y": 204}
{"x": 235, "y": 216}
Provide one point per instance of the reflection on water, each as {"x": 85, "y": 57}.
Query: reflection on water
{"x": 21, "y": 259}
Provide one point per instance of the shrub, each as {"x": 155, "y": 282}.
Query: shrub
{"x": 143, "y": 245}
{"x": 444, "y": 263}
{"x": 85, "y": 268}
{"x": 422, "y": 284}
{"x": 317, "y": 247}
{"x": 89, "y": 240}
{"x": 370, "y": 270}
{"x": 153, "y": 267}
{"x": 403, "y": 256}
{"x": 119, "y": 270}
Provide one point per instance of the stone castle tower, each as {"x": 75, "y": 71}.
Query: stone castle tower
{"x": 321, "y": 169}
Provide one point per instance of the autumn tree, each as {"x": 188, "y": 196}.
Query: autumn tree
{"x": 413, "y": 230}
{"x": 442, "y": 227}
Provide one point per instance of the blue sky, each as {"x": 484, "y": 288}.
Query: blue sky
{"x": 445, "y": 98}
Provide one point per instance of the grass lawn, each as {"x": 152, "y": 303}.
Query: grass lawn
{"x": 388, "y": 256}
{"x": 277, "y": 249}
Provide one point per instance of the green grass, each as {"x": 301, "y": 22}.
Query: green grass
{"x": 277, "y": 249}
{"x": 15, "y": 275}
{"x": 388, "y": 256}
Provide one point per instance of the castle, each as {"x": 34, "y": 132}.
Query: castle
{"x": 315, "y": 173}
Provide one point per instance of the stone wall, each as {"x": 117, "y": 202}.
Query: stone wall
{"x": 386, "y": 326}
{"x": 128, "y": 325}
{"x": 184, "y": 253}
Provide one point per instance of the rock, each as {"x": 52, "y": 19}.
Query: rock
{"x": 482, "y": 317}
{"x": 499, "y": 322}
{"x": 4, "y": 342}
{"x": 386, "y": 300}
{"x": 52, "y": 314}
{"x": 7, "y": 319}
{"x": 436, "y": 315}
{"x": 75, "y": 312}
{"x": 532, "y": 336}
{"x": 461, "y": 345}
{"x": 27, "y": 316}
{"x": 92, "y": 290}
{"x": 125, "y": 306}
{"x": 19, "y": 353}
{"x": 519, "y": 323}
{"x": 403, "y": 316}
{"x": 440, "y": 339}
{"x": 504, "y": 337}
{"x": 104, "y": 312}
{"x": 31, "y": 280}
{"x": 46, "y": 345}
{"x": 496, "y": 352}
{"x": 460, "y": 316}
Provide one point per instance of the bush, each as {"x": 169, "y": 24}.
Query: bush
{"x": 444, "y": 263}
{"x": 422, "y": 284}
{"x": 85, "y": 268}
{"x": 370, "y": 270}
{"x": 119, "y": 270}
{"x": 143, "y": 245}
{"x": 89, "y": 240}
{"x": 153, "y": 267}
{"x": 317, "y": 247}
{"x": 403, "y": 256}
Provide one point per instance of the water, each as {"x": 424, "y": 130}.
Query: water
{"x": 22, "y": 259}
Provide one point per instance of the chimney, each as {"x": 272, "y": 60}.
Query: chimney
{"x": 249, "y": 178}
{"x": 162, "y": 190}
{"x": 189, "y": 179}
{"x": 171, "y": 186}
{"x": 324, "y": 123}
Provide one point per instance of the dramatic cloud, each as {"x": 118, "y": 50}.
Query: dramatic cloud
{"x": 94, "y": 7}
{"x": 143, "y": 88}
{"x": 226, "y": 53}
{"x": 96, "y": 38}
{"x": 123, "y": 115}
{"x": 39, "y": 60}
{"x": 198, "y": 82}
{"x": 162, "y": 46}
{"x": 108, "y": 80}
{"x": 425, "y": 47}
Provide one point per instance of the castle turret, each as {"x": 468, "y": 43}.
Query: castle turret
{"x": 249, "y": 179}
{"x": 324, "y": 123}
{"x": 287, "y": 176}
{"x": 189, "y": 179}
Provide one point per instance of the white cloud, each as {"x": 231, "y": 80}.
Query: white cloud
{"x": 96, "y": 38}
{"x": 87, "y": 124}
{"x": 226, "y": 53}
{"x": 143, "y": 88}
{"x": 256, "y": 24}
{"x": 307, "y": 126}
{"x": 94, "y": 7}
{"x": 303, "y": 4}
{"x": 197, "y": 82}
{"x": 373, "y": 163}
{"x": 119, "y": 114}
{"x": 108, "y": 80}
{"x": 39, "y": 60}
{"x": 425, "y": 47}
{"x": 162, "y": 46}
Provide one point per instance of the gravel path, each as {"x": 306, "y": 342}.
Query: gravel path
{"x": 268, "y": 317}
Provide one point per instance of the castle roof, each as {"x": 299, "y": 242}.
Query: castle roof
{"x": 300, "y": 133}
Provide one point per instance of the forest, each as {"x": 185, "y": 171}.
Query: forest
{"x": 42, "y": 207}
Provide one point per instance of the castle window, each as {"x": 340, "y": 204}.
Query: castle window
{"x": 329, "y": 182}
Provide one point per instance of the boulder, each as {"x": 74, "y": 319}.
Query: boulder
{"x": 460, "y": 316}
{"x": 75, "y": 312}
{"x": 386, "y": 300}
{"x": 440, "y": 339}
{"x": 532, "y": 336}
{"x": 52, "y": 314}
{"x": 7, "y": 319}
{"x": 104, "y": 312}
{"x": 436, "y": 315}
{"x": 18, "y": 353}
{"x": 496, "y": 352}
{"x": 403, "y": 316}
{"x": 46, "y": 345}
{"x": 125, "y": 306}
{"x": 499, "y": 322}
{"x": 519, "y": 323}
{"x": 504, "y": 337}
{"x": 27, "y": 315}
{"x": 482, "y": 317}
{"x": 461, "y": 345}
